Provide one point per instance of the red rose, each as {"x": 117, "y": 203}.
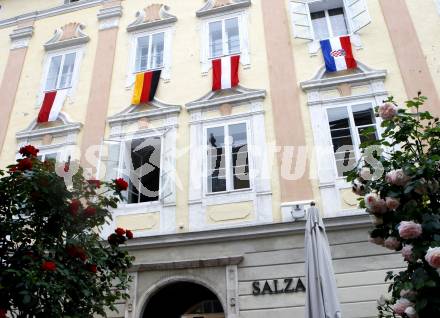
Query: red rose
{"x": 3, "y": 313}
{"x": 113, "y": 239}
{"x": 95, "y": 183}
{"x": 92, "y": 268}
{"x": 49, "y": 266}
{"x": 120, "y": 231}
{"x": 24, "y": 164}
{"x": 66, "y": 167}
{"x": 74, "y": 206}
{"x": 29, "y": 151}
{"x": 90, "y": 211}
{"x": 121, "y": 184}
{"x": 129, "y": 234}
{"x": 77, "y": 252}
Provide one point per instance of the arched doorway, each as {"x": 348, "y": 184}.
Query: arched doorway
{"x": 183, "y": 300}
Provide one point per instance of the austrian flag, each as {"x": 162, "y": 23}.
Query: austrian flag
{"x": 145, "y": 87}
{"x": 52, "y": 103}
{"x": 338, "y": 54}
{"x": 225, "y": 72}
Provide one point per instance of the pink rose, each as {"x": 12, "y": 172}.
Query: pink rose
{"x": 377, "y": 240}
{"x": 397, "y": 177}
{"x": 400, "y": 306}
{"x": 433, "y": 257}
{"x": 392, "y": 243}
{"x": 387, "y": 111}
{"x": 411, "y": 312}
{"x": 370, "y": 199}
{"x": 380, "y": 207}
{"x": 409, "y": 230}
{"x": 392, "y": 203}
{"x": 407, "y": 253}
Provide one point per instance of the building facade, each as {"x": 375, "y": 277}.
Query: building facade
{"x": 219, "y": 178}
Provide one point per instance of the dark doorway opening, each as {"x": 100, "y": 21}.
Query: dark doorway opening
{"x": 183, "y": 300}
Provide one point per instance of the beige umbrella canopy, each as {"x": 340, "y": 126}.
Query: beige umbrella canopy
{"x": 321, "y": 293}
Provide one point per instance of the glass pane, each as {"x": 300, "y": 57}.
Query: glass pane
{"x": 215, "y": 39}
{"x": 144, "y": 167}
{"x": 157, "y": 50}
{"x": 319, "y": 23}
{"x": 54, "y": 70}
{"x": 341, "y": 139}
{"x": 232, "y": 34}
{"x": 142, "y": 53}
{"x": 67, "y": 72}
{"x": 337, "y": 20}
{"x": 216, "y": 159}
{"x": 369, "y": 136}
{"x": 363, "y": 115}
{"x": 239, "y": 151}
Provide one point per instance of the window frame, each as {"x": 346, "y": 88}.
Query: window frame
{"x": 243, "y": 34}
{"x": 228, "y": 158}
{"x": 79, "y": 52}
{"x": 168, "y": 31}
{"x": 329, "y": 24}
{"x": 150, "y": 49}
{"x": 354, "y": 133}
{"x": 225, "y": 43}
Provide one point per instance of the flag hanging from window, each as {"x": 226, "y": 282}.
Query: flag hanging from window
{"x": 225, "y": 72}
{"x": 338, "y": 55}
{"x": 52, "y": 103}
{"x": 145, "y": 87}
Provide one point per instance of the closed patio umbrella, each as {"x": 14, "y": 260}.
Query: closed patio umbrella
{"x": 321, "y": 291}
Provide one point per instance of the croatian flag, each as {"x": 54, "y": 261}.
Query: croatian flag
{"x": 338, "y": 54}
{"x": 52, "y": 103}
{"x": 225, "y": 72}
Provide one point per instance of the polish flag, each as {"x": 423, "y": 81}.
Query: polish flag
{"x": 52, "y": 104}
{"x": 225, "y": 72}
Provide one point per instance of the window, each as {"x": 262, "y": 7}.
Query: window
{"x": 317, "y": 20}
{"x": 346, "y": 127}
{"x": 142, "y": 163}
{"x": 149, "y": 52}
{"x": 48, "y": 156}
{"x": 224, "y": 37}
{"x": 61, "y": 70}
{"x": 227, "y": 158}
{"x": 329, "y": 23}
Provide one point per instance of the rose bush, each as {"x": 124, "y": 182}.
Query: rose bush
{"x": 406, "y": 200}
{"x": 52, "y": 261}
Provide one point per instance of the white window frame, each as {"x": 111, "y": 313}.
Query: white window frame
{"x": 79, "y": 52}
{"x": 225, "y": 44}
{"x": 205, "y": 55}
{"x": 167, "y": 53}
{"x": 329, "y": 23}
{"x": 150, "y": 52}
{"x": 353, "y": 132}
{"x": 62, "y": 152}
{"x": 228, "y": 157}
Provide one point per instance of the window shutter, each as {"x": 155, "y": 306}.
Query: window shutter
{"x": 168, "y": 171}
{"x": 109, "y": 160}
{"x": 302, "y": 24}
{"x": 357, "y": 13}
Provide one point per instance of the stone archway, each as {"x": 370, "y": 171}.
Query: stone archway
{"x": 183, "y": 299}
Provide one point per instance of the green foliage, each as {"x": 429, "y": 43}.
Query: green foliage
{"x": 411, "y": 142}
{"x": 52, "y": 260}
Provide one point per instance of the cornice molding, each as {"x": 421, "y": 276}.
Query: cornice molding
{"x": 37, "y": 15}
{"x": 213, "y": 7}
{"x": 238, "y": 96}
{"x": 340, "y": 223}
{"x": 129, "y": 114}
{"x": 152, "y": 16}
{"x": 21, "y": 36}
{"x": 67, "y": 36}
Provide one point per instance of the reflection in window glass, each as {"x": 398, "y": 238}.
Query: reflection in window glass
{"x": 232, "y": 34}
{"x": 157, "y": 50}
{"x": 67, "y": 72}
{"x": 52, "y": 76}
{"x": 149, "y": 52}
{"x": 240, "y": 163}
{"x": 142, "y": 53}
{"x": 216, "y": 160}
{"x": 337, "y": 20}
{"x": 320, "y": 27}
{"x": 215, "y": 39}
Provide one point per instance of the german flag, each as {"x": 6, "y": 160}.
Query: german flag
{"x": 145, "y": 87}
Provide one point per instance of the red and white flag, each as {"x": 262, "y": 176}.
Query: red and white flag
{"x": 52, "y": 103}
{"x": 225, "y": 72}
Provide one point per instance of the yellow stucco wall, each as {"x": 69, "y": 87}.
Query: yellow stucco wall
{"x": 12, "y": 8}
{"x": 426, "y": 19}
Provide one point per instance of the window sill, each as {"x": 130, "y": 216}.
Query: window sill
{"x": 148, "y": 70}
{"x": 210, "y": 194}
{"x": 224, "y": 55}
